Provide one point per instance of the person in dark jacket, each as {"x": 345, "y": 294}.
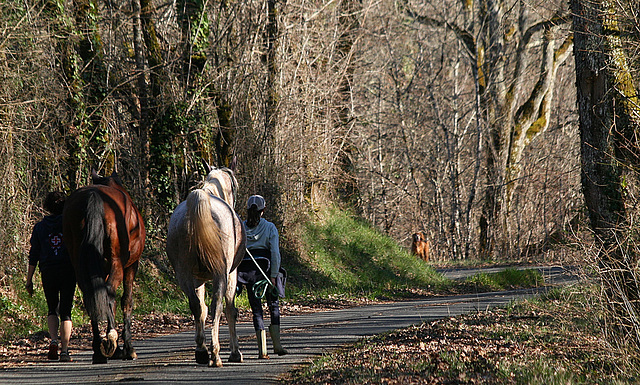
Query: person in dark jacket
{"x": 263, "y": 244}
{"x": 58, "y": 276}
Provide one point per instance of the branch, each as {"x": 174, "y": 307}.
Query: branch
{"x": 465, "y": 36}
{"x": 525, "y": 42}
{"x": 558, "y": 18}
{"x": 532, "y": 117}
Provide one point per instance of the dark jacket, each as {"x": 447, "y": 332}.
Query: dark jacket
{"x": 47, "y": 247}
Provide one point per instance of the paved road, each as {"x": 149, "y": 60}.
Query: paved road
{"x": 170, "y": 359}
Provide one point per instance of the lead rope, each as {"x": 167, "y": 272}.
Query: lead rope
{"x": 260, "y": 288}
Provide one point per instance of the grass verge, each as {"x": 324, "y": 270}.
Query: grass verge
{"x": 507, "y": 279}
{"x": 24, "y": 315}
{"x": 341, "y": 255}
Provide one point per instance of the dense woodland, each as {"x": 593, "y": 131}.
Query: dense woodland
{"x": 420, "y": 116}
{"x": 456, "y": 118}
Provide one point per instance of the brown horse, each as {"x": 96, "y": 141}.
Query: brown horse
{"x": 206, "y": 241}
{"x": 105, "y": 234}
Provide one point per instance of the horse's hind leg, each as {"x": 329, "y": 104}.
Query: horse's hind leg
{"x": 109, "y": 344}
{"x": 231, "y": 312}
{"x": 199, "y": 311}
{"x": 219, "y": 286}
{"x": 126, "y": 303}
{"x": 98, "y": 357}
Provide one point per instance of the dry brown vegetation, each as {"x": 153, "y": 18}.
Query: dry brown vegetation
{"x": 380, "y": 105}
{"x": 553, "y": 341}
{"x": 387, "y": 108}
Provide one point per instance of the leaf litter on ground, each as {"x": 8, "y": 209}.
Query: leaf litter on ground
{"x": 541, "y": 341}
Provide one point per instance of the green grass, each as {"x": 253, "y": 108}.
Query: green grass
{"x": 23, "y": 315}
{"x": 507, "y": 279}
{"x": 156, "y": 292}
{"x": 14, "y": 320}
{"x": 347, "y": 256}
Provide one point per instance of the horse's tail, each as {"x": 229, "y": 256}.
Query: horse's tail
{"x": 91, "y": 277}
{"x": 203, "y": 233}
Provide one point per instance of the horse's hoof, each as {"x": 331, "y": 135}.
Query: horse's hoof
{"x": 236, "y": 357}
{"x": 202, "y": 356}
{"x": 118, "y": 354}
{"x": 281, "y": 352}
{"x": 109, "y": 344}
{"x": 125, "y": 354}
{"x": 98, "y": 359}
{"x": 217, "y": 363}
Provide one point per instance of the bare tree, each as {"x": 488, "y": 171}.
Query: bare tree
{"x": 503, "y": 45}
{"x": 408, "y": 111}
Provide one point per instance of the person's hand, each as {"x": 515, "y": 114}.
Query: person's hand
{"x": 273, "y": 281}
{"x": 29, "y": 287}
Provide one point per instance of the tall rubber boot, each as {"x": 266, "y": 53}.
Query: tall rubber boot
{"x": 274, "y": 331}
{"x": 262, "y": 344}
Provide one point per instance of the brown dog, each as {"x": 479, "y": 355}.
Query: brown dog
{"x": 420, "y": 246}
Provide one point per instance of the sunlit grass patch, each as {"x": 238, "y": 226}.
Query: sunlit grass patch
{"x": 348, "y": 255}
{"x": 509, "y": 278}
{"x": 156, "y": 292}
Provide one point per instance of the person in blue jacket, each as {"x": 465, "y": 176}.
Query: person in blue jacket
{"x": 57, "y": 273}
{"x": 263, "y": 244}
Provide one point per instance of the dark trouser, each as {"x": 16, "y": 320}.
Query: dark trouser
{"x": 248, "y": 275}
{"x": 256, "y": 308}
{"x": 59, "y": 285}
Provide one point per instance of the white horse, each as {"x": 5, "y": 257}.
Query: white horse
{"x": 206, "y": 242}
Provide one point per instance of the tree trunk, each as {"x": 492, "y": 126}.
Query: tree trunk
{"x": 269, "y": 61}
{"x": 86, "y": 77}
{"x": 609, "y": 151}
{"x": 142, "y": 94}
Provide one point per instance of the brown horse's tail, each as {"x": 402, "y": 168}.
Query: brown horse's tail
{"x": 90, "y": 274}
{"x": 204, "y": 234}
